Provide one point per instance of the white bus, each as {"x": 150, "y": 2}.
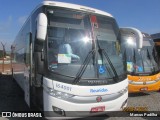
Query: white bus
{"x": 142, "y": 60}
{"x": 68, "y": 59}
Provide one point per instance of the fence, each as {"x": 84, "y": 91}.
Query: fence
{"x": 5, "y": 66}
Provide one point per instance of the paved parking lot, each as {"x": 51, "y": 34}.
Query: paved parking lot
{"x": 11, "y": 99}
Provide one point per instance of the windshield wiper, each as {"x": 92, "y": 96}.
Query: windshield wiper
{"x": 152, "y": 64}
{"x": 100, "y": 50}
{"x": 110, "y": 63}
{"x": 142, "y": 60}
{"x": 134, "y": 60}
{"x": 84, "y": 66}
{"x": 125, "y": 60}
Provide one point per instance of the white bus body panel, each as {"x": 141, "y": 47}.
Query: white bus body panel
{"x": 19, "y": 77}
{"x": 50, "y": 101}
{"x": 84, "y": 91}
{"x": 74, "y": 6}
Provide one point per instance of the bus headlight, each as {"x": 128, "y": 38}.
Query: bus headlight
{"x": 123, "y": 91}
{"x": 158, "y": 79}
{"x": 58, "y": 94}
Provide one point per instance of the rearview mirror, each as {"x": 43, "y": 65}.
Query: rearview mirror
{"x": 41, "y": 26}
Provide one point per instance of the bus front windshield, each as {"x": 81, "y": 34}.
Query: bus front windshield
{"x": 144, "y": 60}
{"x": 72, "y": 44}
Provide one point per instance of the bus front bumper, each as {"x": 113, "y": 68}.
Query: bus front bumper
{"x": 142, "y": 87}
{"x": 70, "y": 109}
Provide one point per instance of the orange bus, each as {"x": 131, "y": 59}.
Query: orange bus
{"x": 141, "y": 59}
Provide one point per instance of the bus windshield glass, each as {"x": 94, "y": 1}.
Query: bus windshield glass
{"x": 143, "y": 60}
{"x": 72, "y": 41}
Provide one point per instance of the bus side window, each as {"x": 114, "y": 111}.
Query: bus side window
{"x": 27, "y": 49}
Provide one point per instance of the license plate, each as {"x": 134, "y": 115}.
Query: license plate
{"x": 98, "y": 109}
{"x": 144, "y": 89}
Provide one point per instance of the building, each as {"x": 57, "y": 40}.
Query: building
{"x": 156, "y": 38}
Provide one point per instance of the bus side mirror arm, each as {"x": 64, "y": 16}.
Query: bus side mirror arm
{"x": 39, "y": 63}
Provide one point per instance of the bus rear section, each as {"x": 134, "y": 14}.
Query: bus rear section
{"x": 75, "y": 62}
{"x": 141, "y": 59}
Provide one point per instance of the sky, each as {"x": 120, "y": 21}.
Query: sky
{"x": 141, "y": 14}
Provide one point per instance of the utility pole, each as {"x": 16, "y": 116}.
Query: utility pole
{"x": 3, "y": 45}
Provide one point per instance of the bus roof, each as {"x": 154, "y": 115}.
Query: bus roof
{"x": 74, "y": 6}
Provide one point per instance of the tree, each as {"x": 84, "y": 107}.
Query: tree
{"x": 1, "y": 53}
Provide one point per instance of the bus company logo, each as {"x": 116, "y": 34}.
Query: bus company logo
{"x": 98, "y": 90}
{"x": 99, "y": 99}
{"x": 144, "y": 83}
{"x": 143, "y": 79}
{"x": 97, "y": 82}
